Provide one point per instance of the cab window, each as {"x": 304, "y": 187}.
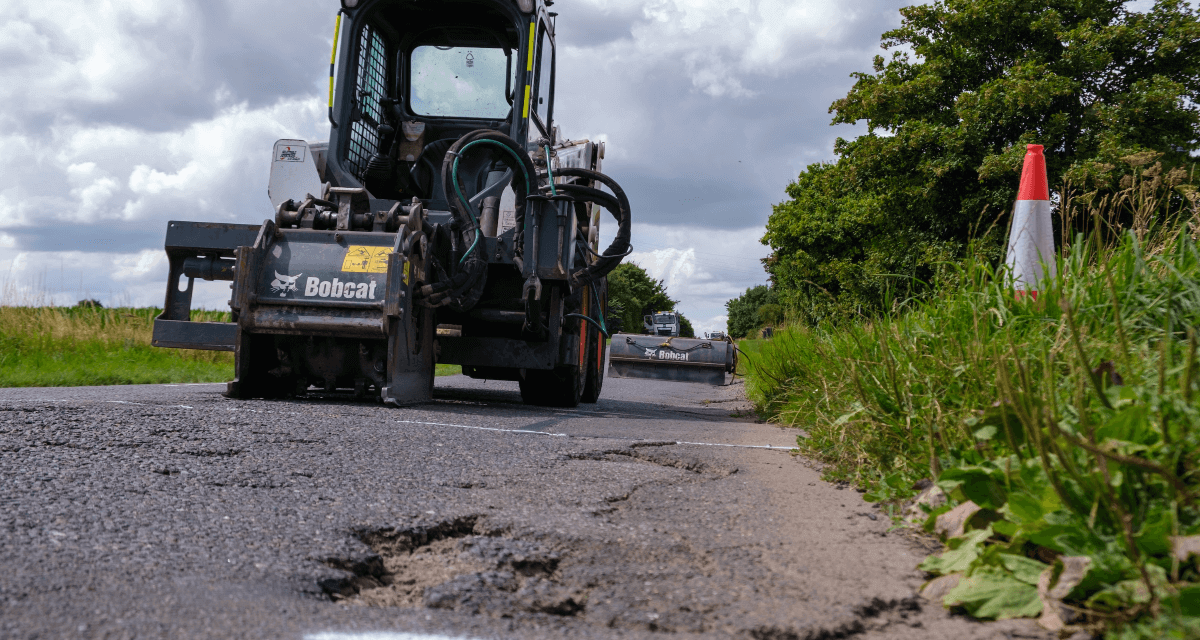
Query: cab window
{"x": 464, "y": 82}
{"x": 544, "y": 95}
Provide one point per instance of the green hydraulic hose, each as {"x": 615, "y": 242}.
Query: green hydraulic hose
{"x": 599, "y": 310}
{"x": 467, "y": 203}
{"x": 550, "y": 172}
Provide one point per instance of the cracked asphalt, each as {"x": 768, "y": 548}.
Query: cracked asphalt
{"x": 169, "y": 511}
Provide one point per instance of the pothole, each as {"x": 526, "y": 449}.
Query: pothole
{"x": 656, "y": 453}
{"x": 452, "y": 566}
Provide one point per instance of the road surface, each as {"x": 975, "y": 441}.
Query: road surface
{"x": 169, "y": 511}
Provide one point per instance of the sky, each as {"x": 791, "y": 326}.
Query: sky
{"x": 123, "y": 114}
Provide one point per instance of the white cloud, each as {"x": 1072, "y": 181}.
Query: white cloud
{"x": 122, "y": 114}
{"x": 65, "y": 51}
{"x": 702, "y": 268}
{"x": 216, "y": 167}
{"x": 719, "y": 42}
{"x": 116, "y": 279}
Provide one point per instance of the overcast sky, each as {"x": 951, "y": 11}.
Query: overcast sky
{"x": 122, "y": 114}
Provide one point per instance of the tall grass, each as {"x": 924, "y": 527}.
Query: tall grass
{"x": 43, "y": 346}
{"x": 47, "y": 346}
{"x": 1072, "y": 421}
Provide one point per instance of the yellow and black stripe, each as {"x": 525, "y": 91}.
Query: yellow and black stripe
{"x": 529, "y": 68}
{"x": 337, "y": 30}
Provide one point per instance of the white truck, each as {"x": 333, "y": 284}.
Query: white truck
{"x": 662, "y": 323}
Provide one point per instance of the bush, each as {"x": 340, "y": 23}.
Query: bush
{"x": 1071, "y": 421}
{"x": 770, "y": 315}
{"x": 742, "y": 311}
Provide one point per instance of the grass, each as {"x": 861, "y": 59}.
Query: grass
{"x": 78, "y": 346}
{"x": 1071, "y": 423}
{"x": 750, "y": 350}
{"x": 44, "y": 346}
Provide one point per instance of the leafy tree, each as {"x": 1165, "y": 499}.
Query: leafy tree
{"x": 968, "y": 85}
{"x": 770, "y": 314}
{"x": 632, "y": 293}
{"x": 742, "y": 311}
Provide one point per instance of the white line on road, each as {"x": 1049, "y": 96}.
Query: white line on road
{"x": 378, "y": 635}
{"x": 467, "y": 426}
{"x": 498, "y": 430}
{"x": 567, "y": 435}
{"x": 168, "y": 406}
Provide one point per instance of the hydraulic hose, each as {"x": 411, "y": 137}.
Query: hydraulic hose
{"x": 617, "y": 203}
{"x": 463, "y": 282}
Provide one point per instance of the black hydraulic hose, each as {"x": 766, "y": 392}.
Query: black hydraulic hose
{"x": 617, "y": 203}
{"x": 465, "y": 278}
{"x": 512, "y": 155}
{"x": 583, "y": 243}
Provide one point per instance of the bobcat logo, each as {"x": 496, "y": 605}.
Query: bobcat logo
{"x": 283, "y": 284}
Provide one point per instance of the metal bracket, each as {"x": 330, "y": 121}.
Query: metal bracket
{"x": 345, "y": 200}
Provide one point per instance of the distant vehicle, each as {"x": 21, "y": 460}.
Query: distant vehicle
{"x": 662, "y": 323}
{"x": 715, "y": 335}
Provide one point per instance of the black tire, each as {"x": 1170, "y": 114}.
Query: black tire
{"x": 560, "y": 387}
{"x": 594, "y": 384}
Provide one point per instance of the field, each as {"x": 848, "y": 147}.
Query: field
{"x": 44, "y": 346}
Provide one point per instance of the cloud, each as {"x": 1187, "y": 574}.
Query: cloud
{"x": 709, "y": 106}
{"x": 701, "y": 267}
{"x": 122, "y": 114}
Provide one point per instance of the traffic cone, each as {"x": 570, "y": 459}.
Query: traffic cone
{"x": 1031, "y": 238}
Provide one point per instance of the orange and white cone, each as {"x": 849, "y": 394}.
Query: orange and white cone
{"x": 1031, "y": 239}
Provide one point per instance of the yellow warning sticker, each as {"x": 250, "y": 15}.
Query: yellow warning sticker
{"x": 366, "y": 259}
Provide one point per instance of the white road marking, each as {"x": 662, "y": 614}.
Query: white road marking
{"x": 379, "y": 635}
{"x": 168, "y": 406}
{"x": 466, "y": 426}
{"x": 567, "y": 435}
{"x": 498, "y": 430}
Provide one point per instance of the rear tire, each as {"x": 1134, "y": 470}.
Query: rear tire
{"x": 595, "y": 367}
{"x": 597, "y": 347}
{"x": 560, "y": 387}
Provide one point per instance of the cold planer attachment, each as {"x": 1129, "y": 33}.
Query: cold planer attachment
{"x": 672, "y": 358}
{"x": 436, "y": 226}
{"x": 312, "y": 307}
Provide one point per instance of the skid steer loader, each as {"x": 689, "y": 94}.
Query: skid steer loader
{"x": 443, "y": 221}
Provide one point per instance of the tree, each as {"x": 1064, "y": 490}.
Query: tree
{"x": 969, "y": 85}
{"x": 742, "y": 311}
{"x": 632, "y": 293}
{"x": 770, "y": 314}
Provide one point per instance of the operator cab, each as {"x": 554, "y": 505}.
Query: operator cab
{"x": 413, "y": 76}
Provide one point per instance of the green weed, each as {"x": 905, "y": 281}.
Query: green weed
{"x": 1071, "y": 423}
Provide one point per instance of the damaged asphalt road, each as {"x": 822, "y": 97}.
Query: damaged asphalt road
{"x": 171, "y": 511}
